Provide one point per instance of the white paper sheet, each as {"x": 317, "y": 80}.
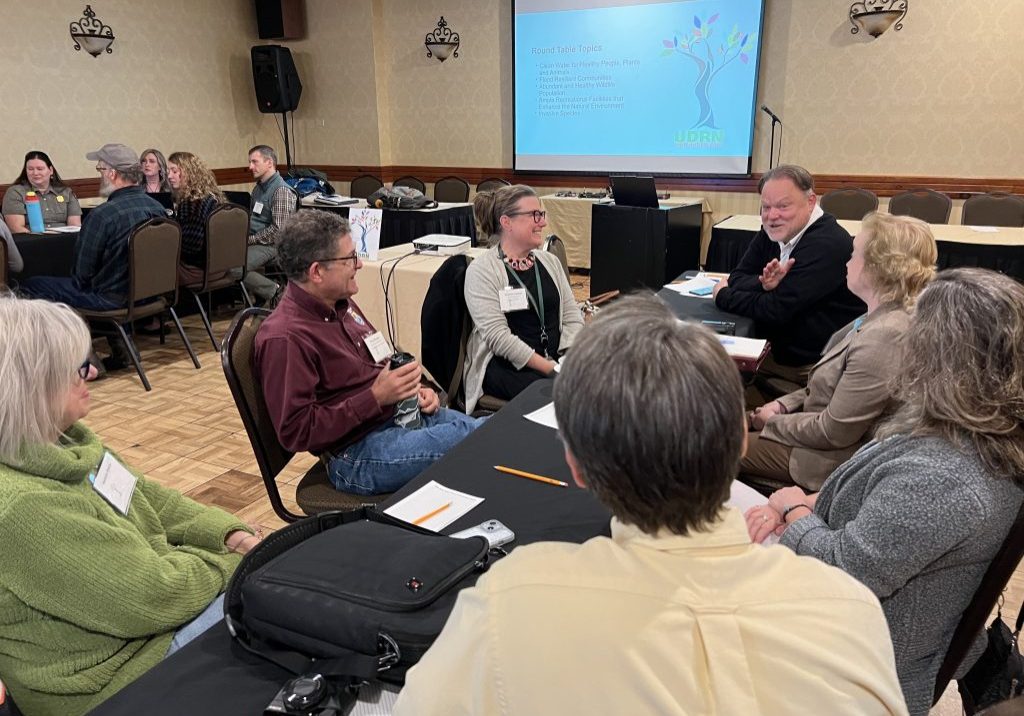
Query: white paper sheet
{"x": 984, "y": 229}
{"x": 544, "y": 416}
{"x": 429, "y": 498}
{"x": 740, "y": 347}
{"x": 743, "y": 497}
{"x": 64, "y": 229}
{"x": 691, "y": 284}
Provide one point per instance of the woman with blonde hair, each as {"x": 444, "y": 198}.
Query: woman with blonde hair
{"x": 802, "y": 437}
{"x": 918, "y": 513}
{"x": 102, "y": 572}
{"x": 154, "y": 172}
{"x": 196, "y": 195}
{"x": 523, "y": 311}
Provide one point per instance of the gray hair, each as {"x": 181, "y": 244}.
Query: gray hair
{"x": 132, "y": 174}
{"x": 309, "y": 235}
{"x": 267, "y": 152}
{"x": 962, "y": 373}
{"x": 651, "y": 409}
{"x": 796, "y": 174}
{"x": 43, "y": 345}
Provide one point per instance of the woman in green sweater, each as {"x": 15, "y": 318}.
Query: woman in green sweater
{"x": 100, "y": 569}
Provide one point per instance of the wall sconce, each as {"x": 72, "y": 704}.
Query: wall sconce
{"x": 91, "y": 33}
{"x": 442, "y": 42}
{"x": 876, "y": 16}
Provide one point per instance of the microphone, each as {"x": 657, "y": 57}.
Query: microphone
{"x": 775, "y": 117}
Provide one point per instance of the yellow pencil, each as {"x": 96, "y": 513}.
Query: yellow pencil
{"x": 530, "y": 476}
{"x": 433, "y": 513}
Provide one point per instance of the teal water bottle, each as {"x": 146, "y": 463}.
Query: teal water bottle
{"x": 34, "y": 213}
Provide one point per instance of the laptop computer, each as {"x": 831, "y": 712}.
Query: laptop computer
{"x": 634, "y": 191}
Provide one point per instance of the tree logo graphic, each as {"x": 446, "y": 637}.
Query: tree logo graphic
{"x": 710, "y": 60}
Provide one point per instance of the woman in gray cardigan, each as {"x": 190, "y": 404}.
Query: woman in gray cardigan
{"x": 918, "y": 514}
{"x": 524, "y": 314}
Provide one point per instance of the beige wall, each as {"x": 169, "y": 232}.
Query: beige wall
{"x": 179, "y": 77}
{"x": 942, "y": 97}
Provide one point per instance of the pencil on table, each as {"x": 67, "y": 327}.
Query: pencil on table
{"x": 530, "y": 476}
{"x": 433, "y": 513}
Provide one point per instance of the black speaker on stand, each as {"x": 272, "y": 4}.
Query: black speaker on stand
{"x": 277, "y": 85}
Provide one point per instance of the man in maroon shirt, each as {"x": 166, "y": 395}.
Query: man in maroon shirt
{"x": 325, "y": 375}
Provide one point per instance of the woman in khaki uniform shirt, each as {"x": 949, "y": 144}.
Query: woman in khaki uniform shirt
{"x": 803, "y": 436}
{"x": 59, "y": 204}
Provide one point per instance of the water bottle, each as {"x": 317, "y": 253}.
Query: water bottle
{"x": 407, "y": 412}
{"x": 34, "y": 212}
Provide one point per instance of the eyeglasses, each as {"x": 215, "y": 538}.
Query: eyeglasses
{"x": 538, "y": 216}
{"x": 83, "y": 370}
{"x": 354, "y": 256}
{"x": 103, "y": 169}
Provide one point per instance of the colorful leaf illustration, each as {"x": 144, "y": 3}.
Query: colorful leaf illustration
{"x": 667, "y": 43}
{"x": 743, "y": 58}
{"x": 696, "y": 22}
{"x": 712, "y": 18}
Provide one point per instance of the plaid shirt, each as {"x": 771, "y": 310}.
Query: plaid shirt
{"x": 101, "y": 251}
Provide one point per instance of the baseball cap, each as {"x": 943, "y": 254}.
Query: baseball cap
{"x": 117, "y": 156}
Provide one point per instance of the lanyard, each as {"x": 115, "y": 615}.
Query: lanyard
{"x": 538, "y": 309}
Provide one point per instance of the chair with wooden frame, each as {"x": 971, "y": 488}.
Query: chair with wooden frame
{"x": 314, "y": 493}
{"x": 973, "y": 620}
{"x": 154, "y": 249}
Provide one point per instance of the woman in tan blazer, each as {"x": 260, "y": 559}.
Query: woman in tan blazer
{"x": 803, "y": 436}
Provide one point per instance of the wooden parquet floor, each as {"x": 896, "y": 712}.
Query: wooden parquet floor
{"x": 186, "y": 434}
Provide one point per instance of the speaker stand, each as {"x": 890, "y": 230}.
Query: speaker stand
{"x": 287, "y": 143}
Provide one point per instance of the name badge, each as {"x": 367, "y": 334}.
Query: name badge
{"x": 257, "y": 207}
{"x": 114, "y": 483}
{"x": 513, "y": 299}
{"x": 60, "y": 199}
{"x": 378, "y": 346}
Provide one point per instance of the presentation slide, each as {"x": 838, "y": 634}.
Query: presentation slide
{"x": 642, "y": 87}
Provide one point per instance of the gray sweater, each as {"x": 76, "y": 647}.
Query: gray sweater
{"x": 918, "y": 522}
{"x": 491, "y": 336}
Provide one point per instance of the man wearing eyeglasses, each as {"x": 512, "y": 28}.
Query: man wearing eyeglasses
{"x": 325, "y": 370}
{"x": 99, "y": 279}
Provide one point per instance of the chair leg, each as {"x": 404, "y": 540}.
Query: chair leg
{"x": 206, "y": 321}
{"x": 133, "y": 353}
{"x": 245, "y": 295}
{"x": 184, "y": 338}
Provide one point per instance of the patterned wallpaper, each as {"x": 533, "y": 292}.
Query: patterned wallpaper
{"x": 179, "y": 77}
{"x": 941, "y": 97}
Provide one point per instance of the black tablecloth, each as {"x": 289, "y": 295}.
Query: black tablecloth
{"x": 45, "y": 254}
{"x": 726, "y": 248}
{"x": 703, "y": 309}
{"x": 401, "y": 226}
{"x": 1005, "y": 259}
{"x": 212, "y": 675}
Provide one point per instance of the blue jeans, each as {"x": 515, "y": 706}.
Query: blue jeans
{"x": 62, "y": 289}
{"x": 209, "y": 617}
{"x": 390, "y": 456}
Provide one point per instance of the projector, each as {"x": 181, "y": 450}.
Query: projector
{"x": 441, "y": 244}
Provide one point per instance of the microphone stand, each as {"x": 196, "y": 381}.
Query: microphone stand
{"x": 771, "y": 148}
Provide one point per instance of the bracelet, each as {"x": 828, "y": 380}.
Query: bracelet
{"x": 797, "y": 506}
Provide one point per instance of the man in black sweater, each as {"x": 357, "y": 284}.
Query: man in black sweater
{"x": 792, "y": 278}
